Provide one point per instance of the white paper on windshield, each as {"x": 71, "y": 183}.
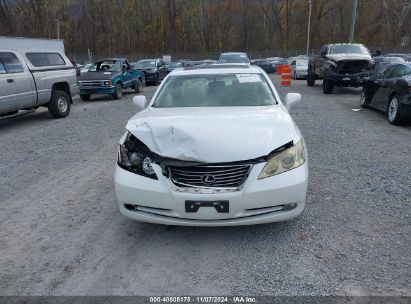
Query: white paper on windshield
{"x": 107, "y": 73}
{"x": 248, "y": 78}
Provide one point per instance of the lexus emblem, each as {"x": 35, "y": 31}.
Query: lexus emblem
{"x": 208, "y": 179}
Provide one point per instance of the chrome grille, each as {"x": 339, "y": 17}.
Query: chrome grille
{"x": 90, "y": 83}
{"x": 228, "y": 176}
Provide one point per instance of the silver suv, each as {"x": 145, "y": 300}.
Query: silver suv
{"x": 30, "y": 79}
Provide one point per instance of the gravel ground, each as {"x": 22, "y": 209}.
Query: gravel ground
{"x": 62, "y": 234}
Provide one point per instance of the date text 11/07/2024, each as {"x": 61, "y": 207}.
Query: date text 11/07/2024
{"x": 203, "y": 299}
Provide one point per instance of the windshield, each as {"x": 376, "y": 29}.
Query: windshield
{"x": 175, "y": 64}
{"x": 349, "y": 49}
{"x": 105, "y": 66}
{"x": 394, "y": 60}
{"x": 233, "y": 58}
{"x": 142, "y": 64}
{"x": 227, "y": 90}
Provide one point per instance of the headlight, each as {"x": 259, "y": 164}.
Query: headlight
{"x": 284, "y": 161}
{"x": 134, "y": 161}
{"x": 107, "y": 82}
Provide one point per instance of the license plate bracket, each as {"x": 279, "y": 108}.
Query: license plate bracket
{"x": 220, "y": 206}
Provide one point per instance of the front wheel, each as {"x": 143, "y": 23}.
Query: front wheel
{"x": 310, "y": 79}
{"x": 137, "y": 86}
{"x": 393, "y": 111}
{"x": 59, "y": 105}
{"x": 118, "y": 91}
{"x": 328, "y": 86}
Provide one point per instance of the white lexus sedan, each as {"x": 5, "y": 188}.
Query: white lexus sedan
{"x": 215, "y": 146}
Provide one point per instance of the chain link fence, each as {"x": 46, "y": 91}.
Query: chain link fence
{"x": 214, "y": 55}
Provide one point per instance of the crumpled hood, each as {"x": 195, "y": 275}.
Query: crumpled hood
{"x": 98, "y": 75}
{"x": 339, "y": 57}
{"x": 213, "y": 135}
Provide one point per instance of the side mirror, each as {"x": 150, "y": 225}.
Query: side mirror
{"x": 140, "y": 102}
{"x": 291, "y": 99}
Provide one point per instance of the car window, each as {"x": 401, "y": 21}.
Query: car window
{"x": 233, "y": 58}
{"x": 2, "y": 68}
{"x": 348, "y": 49}
{"x": 388, "y": 72}
{"x": 219, "y": 90}
{"x": 45, "y": 59}
{"x": 402, "y": 71}
{"x": 143, "y": 64}
{"x": 11, "y": 63}
{"x": 106, "y": 66}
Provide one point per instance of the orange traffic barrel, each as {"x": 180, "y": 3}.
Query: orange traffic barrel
{"x": 286, "y": 75}
{"x": 279, "y": 68}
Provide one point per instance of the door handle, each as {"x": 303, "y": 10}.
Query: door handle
{"x": 10, "y": 80}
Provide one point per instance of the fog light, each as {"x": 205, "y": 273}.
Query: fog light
{"x": 289, "y": 207}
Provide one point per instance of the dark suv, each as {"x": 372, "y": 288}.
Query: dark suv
{"x": 155, "y": 70}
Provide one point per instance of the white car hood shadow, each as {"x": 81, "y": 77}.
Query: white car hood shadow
{"x": 213, "y": 135}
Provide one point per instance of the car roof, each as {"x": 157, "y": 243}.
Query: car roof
{"x": 345, "y": 44}
{"x": 218, "y": 69}
{"x": 234, "y": 53}
{"x": 153, "y": 59}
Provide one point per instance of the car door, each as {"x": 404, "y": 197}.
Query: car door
{"x": 383, "y": 84}
{"x": 163, "y": 69}
{"x": 17, "y": 91}
{"x": 127, "y": 75}
{"x": 320, "y": 60}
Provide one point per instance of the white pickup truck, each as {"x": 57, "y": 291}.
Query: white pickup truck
{"x": 31, "y": 78}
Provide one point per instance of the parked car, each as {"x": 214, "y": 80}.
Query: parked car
{"x": 406, "y": 57}
{"x": 110, "y": 76}
{"x": 171, "y": 66}
{"x": 214, "y": 147}
{"x": 31, "y": 78}
{"x": 155, "y": 70}
{"x": 234, "y": 57}
{"x": 266, "y": 65}
{"x": 382, "y": 63}
{"x": 299, "y": 68}
{"x": 390, "y": 93}
{"x": 344, "y": 64}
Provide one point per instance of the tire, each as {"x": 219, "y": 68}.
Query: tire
{"x": 59, "y": 104}
{"x": 365, "y": 99}
{"x": 85, "y": 97}
{"x": 118, "y": 91}
{"x": 137, "y": 86}
{"x": 310, "y": 79}
{"x": 328, "y": 86}
{"x": 393, "y": 111}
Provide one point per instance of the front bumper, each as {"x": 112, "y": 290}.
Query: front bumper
{"x": 301, "y": 73}
{"x": 97, "y": 90}
{"x": 348, "y": 80}
{"x": 259, "y": 201}
{"x": 150, "y": 77}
